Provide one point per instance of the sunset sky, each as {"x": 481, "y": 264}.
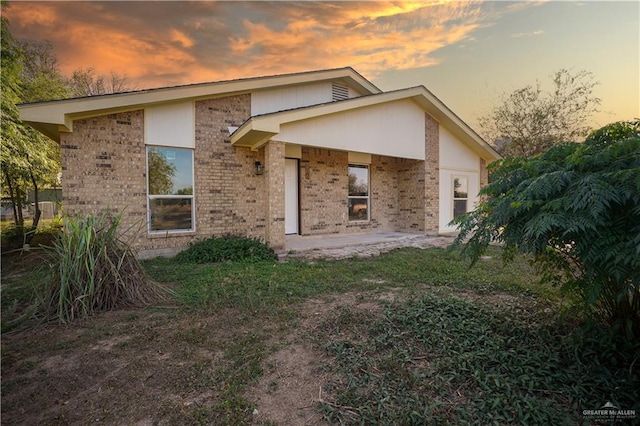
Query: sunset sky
{"x": 466, "y": 53}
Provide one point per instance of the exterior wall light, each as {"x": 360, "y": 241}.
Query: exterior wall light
{"x": 259, "y": 168}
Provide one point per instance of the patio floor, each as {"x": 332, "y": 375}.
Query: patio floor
{"x": 362, "y": 244}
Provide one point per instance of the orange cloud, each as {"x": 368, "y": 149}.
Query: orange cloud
{"x": 166, "y": 44}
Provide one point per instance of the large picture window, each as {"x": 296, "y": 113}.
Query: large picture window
{"x": 170, "y": 189}
{"x": 460, "y": 195}
{"x": 358, "y": 199}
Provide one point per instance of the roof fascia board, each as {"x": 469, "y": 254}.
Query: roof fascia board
{"x": 63, "y": 112}
{"x": 438, "y": 110}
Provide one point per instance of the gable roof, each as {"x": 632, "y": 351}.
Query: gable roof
{"x": 53, "y": 117}
{"x": 258, "y": 130}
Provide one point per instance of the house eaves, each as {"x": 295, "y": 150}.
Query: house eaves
{"x": 258, "y": 130}
{"x": 55, "y": 117}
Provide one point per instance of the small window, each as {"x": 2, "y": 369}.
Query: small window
{"x": 358, "y": 199}
{"x": 460, "y": 195}
{"x": 170, "y": 189}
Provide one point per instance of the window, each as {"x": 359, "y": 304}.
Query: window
{"x": 460, "y": 195}
{"x": 170, "y": 189}
{"x": 358, "y": 200}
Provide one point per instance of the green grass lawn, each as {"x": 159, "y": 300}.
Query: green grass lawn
{"x": 448, "y": 344}
{"x": 436, "y": 356}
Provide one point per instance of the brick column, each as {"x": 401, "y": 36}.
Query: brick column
{"x": 484, "y": 173}
{"x": 274, "y": 178}
{"x": 432, "y": 176}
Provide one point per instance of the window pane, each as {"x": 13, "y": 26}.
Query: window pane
{"x": 358, "y": 180}
{"x": 459, "y": 207}
{"x": 358, "y": 208}
{"x": 170, "y": 171}
{"x": 170, "y": 214}
{"x": 460, "y": 187}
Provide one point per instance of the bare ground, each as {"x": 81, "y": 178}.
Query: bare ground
{"x": 166, "y": 365}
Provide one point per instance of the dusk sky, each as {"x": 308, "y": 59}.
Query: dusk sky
{"x": 466, "y": 53}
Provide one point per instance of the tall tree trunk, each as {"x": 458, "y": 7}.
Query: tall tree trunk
{"x": 12, "y": 195}
{"x": 36, "y": 218}
{"x": 20, "y": 222}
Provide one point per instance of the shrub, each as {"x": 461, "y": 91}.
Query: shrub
{"x": 227, "y": 248}
{"x": 576, "y": 209}
{"x": 93, "y": 269}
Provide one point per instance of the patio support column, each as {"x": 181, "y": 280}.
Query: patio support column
{"x": 274, "y": 176}
{"x": 431, "y": 176}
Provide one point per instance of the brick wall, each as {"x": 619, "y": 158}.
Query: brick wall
{"x": 411, "y": 196}
{"x": 432, "y": 175}
{"x": 103, "y": 168}
{"x": 104, "y": 163}
{"x": 230, "y": 198}
{"x": 274, "y": 180}
{"x": 324, "y": 190}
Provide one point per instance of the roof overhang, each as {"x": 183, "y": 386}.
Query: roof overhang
{"x": 258, "y": 130}
{"x": 55, "y": 117}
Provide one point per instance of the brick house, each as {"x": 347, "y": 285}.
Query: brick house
{"x": 322, "y": 152}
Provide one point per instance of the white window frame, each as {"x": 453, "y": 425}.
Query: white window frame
{"x": 368, "y": 196}
{"x": 453, "y": 194}
{"x": 156, "y": 197}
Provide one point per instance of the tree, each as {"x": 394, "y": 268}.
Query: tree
{"x": 11, "y": 124}
{"x": 530, "y": 120}
{"x": 161, "y": 174}
{"x": 576, "y": 210}
{"x": 85, "y": 82}
{"x": 28, "y": 159}
{"x": 41, "y": 76}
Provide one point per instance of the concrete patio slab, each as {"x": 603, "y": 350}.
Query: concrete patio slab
{"x": 358, "y": 245}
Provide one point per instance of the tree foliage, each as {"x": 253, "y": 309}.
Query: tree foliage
{"x": 576, "y": 209}
{"x": 85, "y": 82}
{"x": 30, "y": 73}
{"x": 28, "y": 159}
{"x": 531, "y": 120}
{"x": 161, "y": 174}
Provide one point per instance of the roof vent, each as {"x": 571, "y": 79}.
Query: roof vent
{"x": 339, "y": 91}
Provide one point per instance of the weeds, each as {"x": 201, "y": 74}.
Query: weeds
{"x": 446, "y": 360}
{"x": 94, "y": 270}
{"x": 226, "y": 248}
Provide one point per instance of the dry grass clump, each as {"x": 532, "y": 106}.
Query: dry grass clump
{"x": 94, "y": 270}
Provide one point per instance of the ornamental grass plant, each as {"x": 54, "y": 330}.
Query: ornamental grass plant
{"x": 93, "y": 269}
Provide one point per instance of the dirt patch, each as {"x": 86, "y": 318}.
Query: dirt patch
{"x": 162, "y": 365}
{"x": 291, "y": 388}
